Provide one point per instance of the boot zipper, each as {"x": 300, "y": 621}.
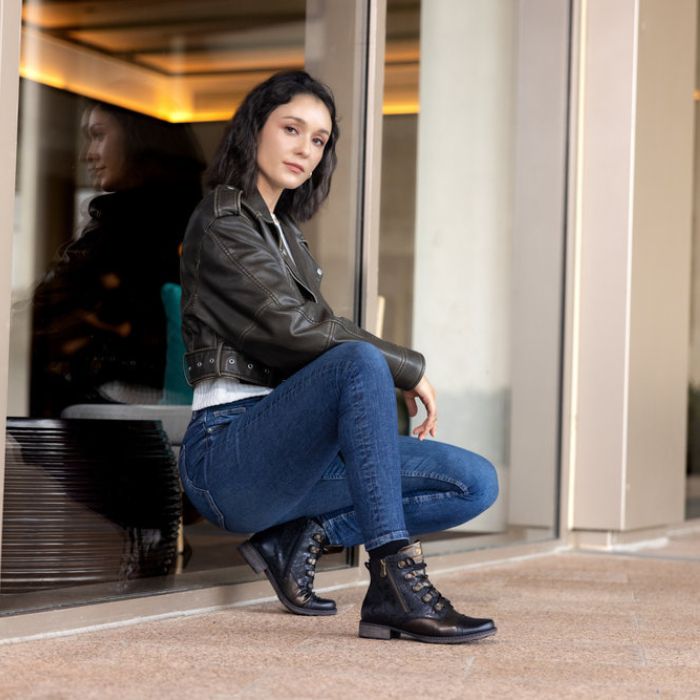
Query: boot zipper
{"x": 385, "y": 574}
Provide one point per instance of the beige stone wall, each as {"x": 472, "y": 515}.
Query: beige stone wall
{"x": 633, "y": 233}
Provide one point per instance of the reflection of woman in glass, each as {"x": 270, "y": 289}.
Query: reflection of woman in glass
{"x": 294, "y": 430}
{"x": 99, "y": 323}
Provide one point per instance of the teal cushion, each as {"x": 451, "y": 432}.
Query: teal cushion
{"x": 175, "y": 387}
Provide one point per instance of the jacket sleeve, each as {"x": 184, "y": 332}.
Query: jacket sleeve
{"x": 250, "y": 299}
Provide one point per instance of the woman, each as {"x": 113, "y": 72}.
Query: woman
{"x": 99, "y": 323}
{"x": 294, "y": 429}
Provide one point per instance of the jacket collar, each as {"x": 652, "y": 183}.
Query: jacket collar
{"x": 255, "y": 201}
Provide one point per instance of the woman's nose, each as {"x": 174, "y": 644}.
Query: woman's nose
{"x": 304, "y": 147}
{"x": 90, "y": 153}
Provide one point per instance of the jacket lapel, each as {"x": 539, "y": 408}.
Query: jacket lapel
{"x": 299, "y": 265}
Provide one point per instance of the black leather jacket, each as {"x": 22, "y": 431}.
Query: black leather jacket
{"x": 250, "y": 313}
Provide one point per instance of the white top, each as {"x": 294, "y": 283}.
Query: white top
{"x": 214, "y": 392}
{"x": 283, "y": 237}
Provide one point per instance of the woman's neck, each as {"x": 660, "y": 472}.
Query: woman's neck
{"x": 270, "y": 195}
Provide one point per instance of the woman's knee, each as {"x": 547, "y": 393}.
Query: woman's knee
{"x": 359, "y": 351}
{"x": 362, "y": 356}
{"x": 477, "y": 476}
{"x": 487, "y": 480}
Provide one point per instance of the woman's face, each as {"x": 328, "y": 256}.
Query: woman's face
{"x": 106, "y": 151}
{"x": 291, "y": 145}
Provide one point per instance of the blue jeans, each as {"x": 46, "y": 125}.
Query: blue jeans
{"x": 324, "y": 444}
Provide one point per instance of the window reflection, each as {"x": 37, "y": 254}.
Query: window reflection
{"x": 99, "y": 325}
{"x": 122, "y": 106}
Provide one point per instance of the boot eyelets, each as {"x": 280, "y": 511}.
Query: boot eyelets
{"x": 417, "y": 587}
{"x": 402, "y": 564}
{"x": 426, "y": 598}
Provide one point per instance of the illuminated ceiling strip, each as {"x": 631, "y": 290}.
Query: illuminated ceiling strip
{"x": 65, "y": 66}
{"x": 394, "y": 108}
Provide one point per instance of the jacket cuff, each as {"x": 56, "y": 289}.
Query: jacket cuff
{"x": 411, "y": 371}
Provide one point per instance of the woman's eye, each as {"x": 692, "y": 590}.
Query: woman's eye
{"x": 320, "y": 142}
{"x": 290, "y": 129}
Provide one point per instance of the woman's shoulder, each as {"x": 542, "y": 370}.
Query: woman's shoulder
{"x": 224, "y": 211}
{"x": 222, "y": 200}
{"x": 227, "y": 201}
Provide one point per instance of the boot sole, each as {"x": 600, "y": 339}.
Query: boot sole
{"x": 369, "y": 630}
{"x": 259, "y": 565}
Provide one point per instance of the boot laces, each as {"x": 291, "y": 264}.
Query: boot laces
{"x": 415, "y": 572}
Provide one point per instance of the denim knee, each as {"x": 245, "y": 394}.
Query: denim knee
{"x": 358, "y": 351}
{"x": 364, "y": 356}
{"x": 488, "y": 482}
{"x": 477, "y": 476}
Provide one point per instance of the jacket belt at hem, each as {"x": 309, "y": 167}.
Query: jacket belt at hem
{"x": 223, "y": 361}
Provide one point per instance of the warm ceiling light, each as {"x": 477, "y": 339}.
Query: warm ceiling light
{"x": 390, "y": 107}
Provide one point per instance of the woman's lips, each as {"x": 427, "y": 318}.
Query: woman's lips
{"x": 295, "y": 168}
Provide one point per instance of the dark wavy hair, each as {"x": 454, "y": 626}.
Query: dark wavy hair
{"x": 235, "y": 161}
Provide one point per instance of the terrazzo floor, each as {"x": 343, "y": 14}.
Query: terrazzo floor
{"x": 571, "y": 625}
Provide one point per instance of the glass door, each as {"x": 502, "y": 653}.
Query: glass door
{"x": 159, "y": 78}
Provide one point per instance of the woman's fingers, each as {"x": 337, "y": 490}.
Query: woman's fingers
{"x": 419, "y": 431}
{"x": 425, "y": 392}
{"x": 424, "y": 430}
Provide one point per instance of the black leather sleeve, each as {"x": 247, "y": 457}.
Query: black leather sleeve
{"x": 248, "y": 296}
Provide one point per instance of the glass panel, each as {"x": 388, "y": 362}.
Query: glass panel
{"x": 472, "y": 237}
{"x": 95, "y": 326}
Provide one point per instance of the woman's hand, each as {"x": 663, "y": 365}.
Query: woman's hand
{"x": 425, "y": 392}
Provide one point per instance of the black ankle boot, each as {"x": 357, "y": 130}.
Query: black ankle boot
{"x": 401, "y": 600}
{"x": 288, "y": 554}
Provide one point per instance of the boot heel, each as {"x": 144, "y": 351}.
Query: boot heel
{"x": 254, "y": 560}
{"x": 370, "y": 631}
